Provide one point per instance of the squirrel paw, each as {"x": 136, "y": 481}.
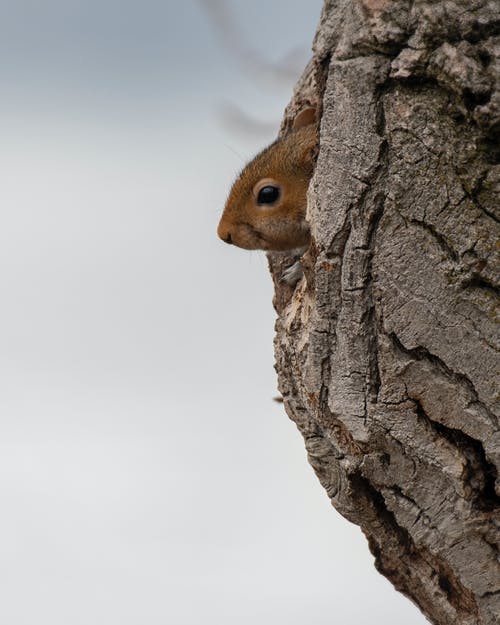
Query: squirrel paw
{"x": 292, "y": 274}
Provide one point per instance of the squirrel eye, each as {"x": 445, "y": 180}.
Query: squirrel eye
{"x": 268, "y": 195}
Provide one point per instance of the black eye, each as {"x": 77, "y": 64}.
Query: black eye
{"x": 268, "y": 195}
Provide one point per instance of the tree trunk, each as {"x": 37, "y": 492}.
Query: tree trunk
{"x": 387, "y": 351}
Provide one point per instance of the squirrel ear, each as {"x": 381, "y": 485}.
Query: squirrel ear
{"x": 304, "y": 118}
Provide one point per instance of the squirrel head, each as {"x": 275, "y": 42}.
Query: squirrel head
{"x": 266, "y": 207}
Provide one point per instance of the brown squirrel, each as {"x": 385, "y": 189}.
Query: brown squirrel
{"x": 266, "y": 207}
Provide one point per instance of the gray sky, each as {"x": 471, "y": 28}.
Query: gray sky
{"x": 146, "y": 475}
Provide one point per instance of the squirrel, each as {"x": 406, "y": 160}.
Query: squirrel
{"x": 266, "y": 207}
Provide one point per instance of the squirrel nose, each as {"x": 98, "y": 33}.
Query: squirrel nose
{"x": 224, "y": 234}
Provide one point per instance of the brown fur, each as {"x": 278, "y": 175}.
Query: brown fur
{"x": 282, "y": 226}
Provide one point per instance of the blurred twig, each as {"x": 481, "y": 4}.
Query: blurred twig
{"x": 278, "y": 75}
{"x": 235, "y": 119}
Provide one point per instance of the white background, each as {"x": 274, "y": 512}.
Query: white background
{"x": 146, "y": 475}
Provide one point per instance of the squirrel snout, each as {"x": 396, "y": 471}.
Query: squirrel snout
{"x": 225, "y": 235}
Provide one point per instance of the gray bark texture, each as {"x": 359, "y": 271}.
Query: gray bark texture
{"x": 387, "y": 351}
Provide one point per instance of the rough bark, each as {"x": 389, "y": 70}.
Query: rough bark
{"x": 387, "y": 352}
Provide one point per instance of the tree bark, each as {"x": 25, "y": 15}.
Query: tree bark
{"x": 387, "y": 351}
